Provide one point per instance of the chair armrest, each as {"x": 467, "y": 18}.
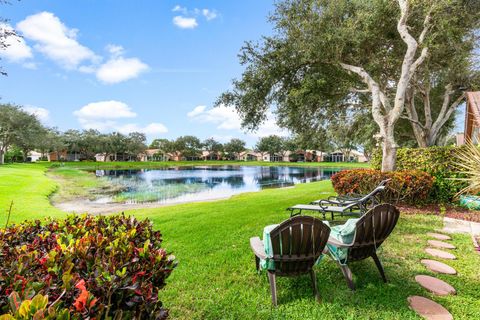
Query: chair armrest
{"x": 337, "y": 243}
{"x": 257, "y": 247}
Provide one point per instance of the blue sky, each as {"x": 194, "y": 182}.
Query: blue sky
{"x": 151, "y": 66}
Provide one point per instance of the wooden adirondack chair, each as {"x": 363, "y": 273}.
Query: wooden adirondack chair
{"x": 297, "y": 243}
{"x": 371, "y": 231}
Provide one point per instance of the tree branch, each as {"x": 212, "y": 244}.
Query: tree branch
{"x": 413, "y": 120}
{"x": 359, "y": 90}
{"x": 370, "y": 82}
{"x": 446, "y": 114}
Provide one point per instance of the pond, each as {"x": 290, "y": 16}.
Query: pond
{"x": 200, "y": 183}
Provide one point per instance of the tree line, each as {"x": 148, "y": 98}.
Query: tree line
{"x": 22, "y": 132}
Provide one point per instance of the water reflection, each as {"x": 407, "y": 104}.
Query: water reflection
{"x": 184, "y": 184}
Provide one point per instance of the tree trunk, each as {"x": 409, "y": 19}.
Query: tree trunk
{"x": 2, "y": 157}
{"x": 389, "y": 151}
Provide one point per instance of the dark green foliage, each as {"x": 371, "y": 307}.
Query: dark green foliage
{"x": 408, "y": 186}
{"x": 440, "y": 162}
{"x": 101, "y": 267}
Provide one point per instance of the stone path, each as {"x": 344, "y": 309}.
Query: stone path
{"x": 441, "y": 244}
{"x": 425, "y": 307}
{"x": 429, "y": 309}
{"x": 435, "y": 286}
{"x": 438, "y": 267}
{"x": 440, "y": 254}
{"x": 438, "y": 236}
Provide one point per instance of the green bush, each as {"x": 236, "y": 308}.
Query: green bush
{"x": 87, "y": 267}
{"x": 408, "y": 186}
{"x": 439, "y": 162}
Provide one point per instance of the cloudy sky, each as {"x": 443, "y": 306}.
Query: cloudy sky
{"x": 150, "y": 66}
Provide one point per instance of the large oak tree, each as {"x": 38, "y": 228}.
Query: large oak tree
{"x": 326, "y": 56}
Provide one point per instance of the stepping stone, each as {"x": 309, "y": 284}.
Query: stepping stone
{"x": 438, "y": 236}
{"x": 438, "y": 267}
{"x": 440, "y": 254}
{"x": 441, "y": 244}
{"x": 434, "y": 285}
{"x": 429, "y": 309}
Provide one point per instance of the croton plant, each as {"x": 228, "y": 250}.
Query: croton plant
{"x": 83, "y": 267}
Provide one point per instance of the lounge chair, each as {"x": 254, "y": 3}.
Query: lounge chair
{"x": 294, "y": 247}
{"x": 370, "y": 232}
{"x": 346, "y": 208}
{"x": 356, "y": 196}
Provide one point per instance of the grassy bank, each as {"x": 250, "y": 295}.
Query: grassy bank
{"x": 29, "y": 189}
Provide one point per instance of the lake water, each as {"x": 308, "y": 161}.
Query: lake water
{"x": 199, "y": 183}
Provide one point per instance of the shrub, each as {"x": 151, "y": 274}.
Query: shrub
{"x": 409, "y": 186}
{"x": 439, "y": 162}
{"x": 83, "y": 267}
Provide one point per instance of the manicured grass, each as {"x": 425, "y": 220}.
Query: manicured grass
{"x": 216, "y": 278}
{"x": 29, "y": 188}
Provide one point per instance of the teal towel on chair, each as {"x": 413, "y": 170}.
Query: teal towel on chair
{"x": 344, "y": 233}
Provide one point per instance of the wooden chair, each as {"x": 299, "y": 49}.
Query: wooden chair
{"x": 371, "y": 231}
{"x": 297, "y": 243}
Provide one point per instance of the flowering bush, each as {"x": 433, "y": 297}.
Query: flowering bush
{"x": 440, "y": 162}
{"x": 409, "y": 186}
{"x": 83, "y": 267}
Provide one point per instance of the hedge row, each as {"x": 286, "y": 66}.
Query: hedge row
{"x": 83, "y": 268}
{"x": 439, "y": 162}
{"x": 408, "y": 186}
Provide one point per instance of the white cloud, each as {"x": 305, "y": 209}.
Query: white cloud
{"x": 42, "y": 114}
{"x": 115, "y": 50}
{"x": 105, "y": 115}
{"x": 184, "y": 22}
{"x": 227, "y": 118}
{"x": 179, "y": 8}
{"x": 105, "y": 110}
{"x": 55, "y": 40}
{"x": 224, "y": 117}
{"x": 120, "y": 69}
{"x": 209, "y": 14}
{"x": 17, "y": 49}
{"x": 188, "y": 18}
{"x": 196, "y": 111}
{"x": 151, "y": 129}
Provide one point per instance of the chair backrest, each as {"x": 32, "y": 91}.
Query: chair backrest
{"x": 372, "y": 229}
{"x": 297, "y": 243}
{"x": 372, "y": 194}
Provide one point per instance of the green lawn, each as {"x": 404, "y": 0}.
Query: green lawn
{"x": 29, "y": 188}
{"x": 215, "y": 278}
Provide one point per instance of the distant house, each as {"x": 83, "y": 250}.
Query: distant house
{"x": 154, "y": 155}
{"x": 249, "y": 155}
{"x": 339, "y": 156}
{"x": 33, "y": 156}
{"x": 64, "y": 155}
{"x": 472, "y": 117}
{"x": 211, "y": 155}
